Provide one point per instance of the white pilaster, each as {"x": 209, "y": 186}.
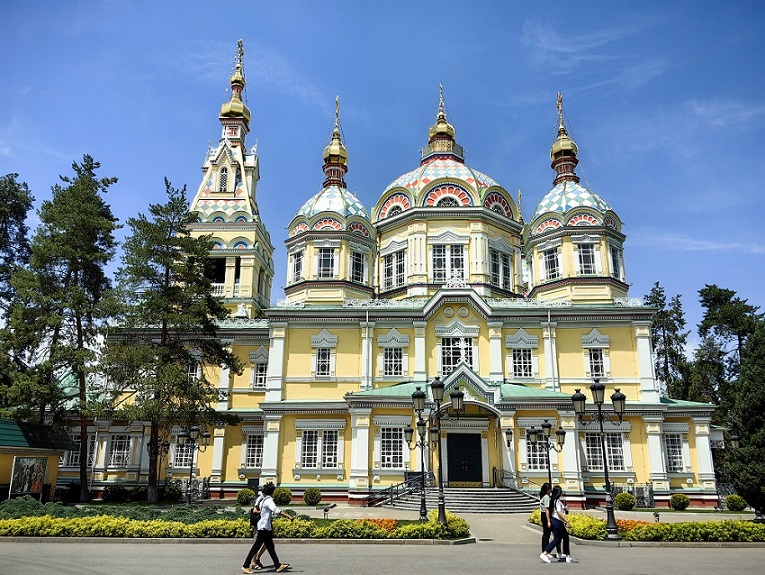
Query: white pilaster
{"x": 361, "y": 423}
{"x": 218, "y": 447}
{"x": 551, "y": 355}
{"x": 420, "y": 373}
{"x": 657, "y": 469}
{"x": 367, "y": 329}
{"x": 496, "y": 375}
{"x": 704, "y": 461}
{"x": 649, "y": 387}
{"x": 271, "y": 450}
{"x": 276, "y": 353}
{"x": 572, "y": 477}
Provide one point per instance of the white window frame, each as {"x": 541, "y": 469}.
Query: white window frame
{"x": 615, "y": 450}
{"x": 183, "y": 455}
{"x": 253, "y": 451}
{"x": 454, "y": 261}
{"x": 462, "y": 346}
{"x": 326, "y": 261}
{"x": 258, "y": 368}
{"x": 519, "y": 341}
{"x": 551, "y": 264}
{"x": 536, "y": 458}
{"x": 616, "y": 261}
{"x": 324, "y": 354}
{"x": 501, "y": 269}
{"x": 592, "y": 341}
{"x": 522, "y": 362}
{"x": 596, "y": 363}
{"x": 586, "y": 260}
{"x": 381, "y": 422}
{"x": 72, "y": 458}
{"x": 358, "y": 267}
{"x": 119, "y": 450}
{"x": 296, "y": 267}
{"x": 320, "y": 444}
{"x": 391, "y": 344}
{"x": 223, "y": 180}
{"x": 394, "y": 270}
{"x": 392, "y": 448}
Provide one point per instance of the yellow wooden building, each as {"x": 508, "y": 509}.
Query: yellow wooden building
{"x": 441, "y": 278}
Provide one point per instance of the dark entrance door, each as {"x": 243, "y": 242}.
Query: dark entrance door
{"x": 464, "y": 458}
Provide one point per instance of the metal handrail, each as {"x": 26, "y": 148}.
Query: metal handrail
{"x": 397, "y": 491}
{"x": 511, "y": 480}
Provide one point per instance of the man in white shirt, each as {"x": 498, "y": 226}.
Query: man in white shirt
{"x": 268, "y": 510}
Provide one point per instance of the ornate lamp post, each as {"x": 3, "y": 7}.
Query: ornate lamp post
{"x": 543, "y": 435}
{"x": 418, "y": 399}
{"x": 195, "y": 443}
{"x": 618, "y": 399}
{"x": 457, "y": 400}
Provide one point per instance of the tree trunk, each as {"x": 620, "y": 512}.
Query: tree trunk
{"x": 153, "y": 488}
{"x": 84, "y": 443}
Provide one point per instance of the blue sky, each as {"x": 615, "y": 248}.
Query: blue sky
{"x": 664, "y": 99}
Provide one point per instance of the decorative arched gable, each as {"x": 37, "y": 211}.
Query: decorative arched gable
{"x": 328, "y": 224}
{"x": 445, "y": 191}
{"x": 395, "y": 204}
{"x": 498, "y": 203}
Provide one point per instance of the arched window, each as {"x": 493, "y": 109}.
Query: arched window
{"x": 395, "y": 210}
{"x": 223, "y": 180}
{"x": 447, "y": 202}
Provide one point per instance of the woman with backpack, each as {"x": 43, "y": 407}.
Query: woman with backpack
{"x": 556, "y": 515}
{"x": 268, "y": 510}
{"x": 544, "y": 504}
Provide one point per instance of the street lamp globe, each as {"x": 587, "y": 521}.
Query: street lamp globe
{"x": 579, "y": 399}
{"x": 598, "y": 392}
{"x": 437, "y": 388}
{"x": 618, "y": 399}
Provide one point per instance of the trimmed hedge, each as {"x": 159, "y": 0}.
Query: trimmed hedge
{"x": 282, "y": 495}
{"x": 312, "y": 496}
{"x": 735, "y": 502}
{"x": 586, "y": 527}
{"x": 245, "y": 496}
{"x": 624, "y": 501}
{"x": 679, "y": 501}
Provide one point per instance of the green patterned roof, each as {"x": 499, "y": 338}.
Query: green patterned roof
{"x": 20, "y": 435}
{"x": 517, "y": 391}
{"x": 404, "y": 389}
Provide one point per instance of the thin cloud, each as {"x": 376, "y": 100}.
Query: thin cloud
{"x": 686, "y": 244}
{"x": 725, "y": 113}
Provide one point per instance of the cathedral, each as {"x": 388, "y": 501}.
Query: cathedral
{"x": 442, "y": 280}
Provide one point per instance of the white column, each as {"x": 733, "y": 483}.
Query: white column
{"x": 275, "y": 371}
{"x": 507, "y": 421}
{"x": 496, "y": 375}
{"x": 657, "y": 469}
{"x": 705, "y": 462}
{"x": 361, "y": 423}
{"x": 420, "y": 373}
{"x": 218, "y": 447}
{"x": 571, "y": 470}
{"x": 271, "y": 450}
{"x": 649, "y": 387}
{"x": 224, "y": 385}
{"x": 367, "y": 328}
{"x": 551, "y": 359}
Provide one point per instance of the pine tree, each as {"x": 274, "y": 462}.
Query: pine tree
{"x": 160, "y": 355}
{"x": 62, "y": 298}
{"x": 668, "y": 339}
{"x": 15, "y": 203}
{"x": 746, "y": 466}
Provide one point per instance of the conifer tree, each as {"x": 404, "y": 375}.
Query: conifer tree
{"x": 62, "y": 297}
{"x": 160, "y": 358}
{"x": 745, "y": 467}
{"x": 668, "y": 339}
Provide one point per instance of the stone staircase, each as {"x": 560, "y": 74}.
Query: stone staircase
{"x": 470, "y": 500}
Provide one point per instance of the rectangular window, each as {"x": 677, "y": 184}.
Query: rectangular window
{"x": 673, "y": 445}
{"x": 326, "y": 262}
{"x": 259, "y": 374}
{"x": 393, "y": 270}
{"x": 535, "y": 455}
{"x": 72, "y": 458}
{"x": 448, "y": 262}
{"x": 393, "y": 361}
{"x": 391, "y": 448}
{"x": 358, "y": 267}
{"x": 616, "y": 268}
{"x": 194, "y": 372}
{"x": 455, "y": 350}
{"x": 183, "y": 455}
{"x": 552, "y": 270}
{"x": 597, "y": 367}
{"x": 297, "y": 266}
{"x": 254, "y": 451}
{"x": 119, "y": 451}
{"x": 329, "y": 449}
{"x": 310, "y": 456}
{"x": 586, "y": 259}
{"x": 323, "y": 366}
{"x": 501, "y": 273}
{"x": 614, "y": 450}
{"x": 522, "y": 366}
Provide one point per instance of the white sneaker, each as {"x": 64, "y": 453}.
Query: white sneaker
{"x": 571, "y": 560}
{"x": 544, "y": 557}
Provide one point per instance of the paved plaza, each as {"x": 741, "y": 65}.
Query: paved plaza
{"x": 504, "y": 544}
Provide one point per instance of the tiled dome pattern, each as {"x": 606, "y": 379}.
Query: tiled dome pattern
{"x": 567, "y": 196}
{"x": 333, "y": 199}
{"x": 441, "y": 168}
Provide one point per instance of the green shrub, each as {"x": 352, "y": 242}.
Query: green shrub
{"x": 698, "y": 531}
{"x": 140, "y": 493}
{"x": 245, "y": 496}
{"x": 116, "y": 493}
{"x": 625, "y": 501}
{"x": 282, "y": 495}
{"x": 351, "y": 529}
{"x": 735, "y": 502}
{"x": 679, "y": 501}
{"x": 301, "y": 528}
{"x": 456, "y": 527}
{"x": 312, "y": 496}
{"x": 170, "y": 493}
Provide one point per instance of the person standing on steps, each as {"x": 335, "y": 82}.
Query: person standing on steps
{"x": 544, "y": 504}
{"x": 556, "y": 516}
{"x": 268, "y": 510}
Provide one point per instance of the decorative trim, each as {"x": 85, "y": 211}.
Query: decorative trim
{"x": 312, "y": 424}
{"x": 324, "y": 339}
{"x": 595, "y": 340}
{"x": 393, "y": 338}
{"x": 521, "y": 340}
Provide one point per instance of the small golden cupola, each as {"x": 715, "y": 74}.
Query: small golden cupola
{"x": 563, "y": 152}
{"x": 235, "y": 108}
{"x": 441, "y": 134}
{"x": 335, "y": 154}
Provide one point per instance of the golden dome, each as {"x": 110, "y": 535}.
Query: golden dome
{"x": 236, "y": 108}
{"x": 563, "y": 145}
{"x": 441, "y": 127}
{"x": 335, "y": 150}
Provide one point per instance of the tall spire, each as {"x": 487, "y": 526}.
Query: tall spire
{"x": 441, "y": 134}
{"x": 563, "y": 152}
{"x": 235, "y": 107}
{"x": 335, "y": 154}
